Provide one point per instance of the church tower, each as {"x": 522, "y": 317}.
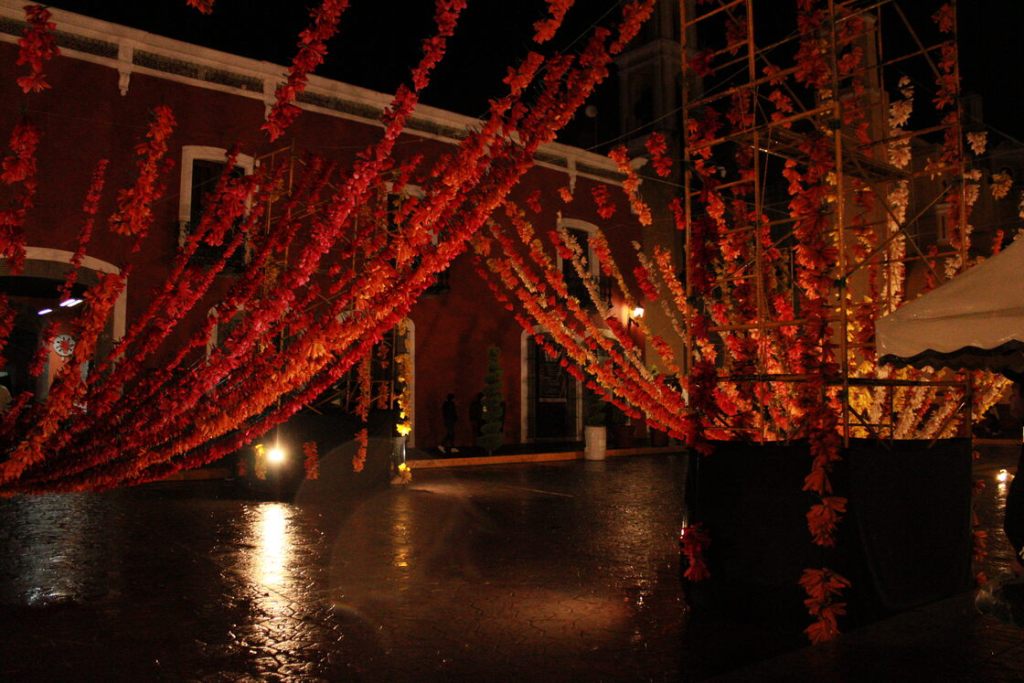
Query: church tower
{"x": 649, "y": 80}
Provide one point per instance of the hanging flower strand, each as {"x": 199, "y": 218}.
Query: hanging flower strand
{"x": 36, "y": 47}
{"x": 90, "y": 207}
{"x": 166, "y": 426}
{"x": 547, "y": 27}
{"x": 135, "y": 204}
{"x": 312, "y": 50}
{"x": 631, "y": 185}
{"x": 661, "y": 162}
{"x": 203, "y": 6}
{"x": 18, "y": 169}
{"x": 823, "y": 588}
{"x": 311, "y": 460}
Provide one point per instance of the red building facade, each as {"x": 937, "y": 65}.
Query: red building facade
{"x": 104, "y": 85}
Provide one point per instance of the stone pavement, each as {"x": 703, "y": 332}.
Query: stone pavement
{"x": 542, "y": 572}
{"x": 553, "y": 572}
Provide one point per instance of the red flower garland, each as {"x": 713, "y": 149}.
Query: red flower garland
{"x": 605, "y": 207}
{"x": 359, "y": 459}
{"x": 90, "y": 208}
{"x": 160, "y": 426}
{"x": 312, "y": 460}
{"x": 203, "y": 6}
{"x": 545, "y": 29}
{"x": 533, "y": 201}
{"x": 823, "y": 587}
{"x": 631, "y": 185}
{"x": 134, "y": 204}
{"x": 312, "y": 50}
{"x": 694, "y": 541}
{"x": 36, "y": 47}
{"x": 19, "y": 168}
{"x": 660, "y": 161}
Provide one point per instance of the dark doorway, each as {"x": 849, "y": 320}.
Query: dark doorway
{"x": 552, "y": 398}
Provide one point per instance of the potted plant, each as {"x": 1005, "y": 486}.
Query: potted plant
{"x": 595, "y": 432}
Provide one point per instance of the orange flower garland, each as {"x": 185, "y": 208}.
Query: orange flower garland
{"x": 311, "y": 460}
{"x": 823, "y": 587}
{"x": 312, "y": 50}
{"x": 146, "y": 424}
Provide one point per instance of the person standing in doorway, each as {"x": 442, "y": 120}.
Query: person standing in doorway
{"x": 450, "y": 415}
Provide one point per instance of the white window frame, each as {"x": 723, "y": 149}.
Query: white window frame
{"x": 410, "y": 190}
{"x": 214, "y": 340}
{"x": 189, "y": 154}
{"x": 575, "y": 224}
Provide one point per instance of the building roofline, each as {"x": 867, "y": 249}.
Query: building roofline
{"x": 130, "y": 50}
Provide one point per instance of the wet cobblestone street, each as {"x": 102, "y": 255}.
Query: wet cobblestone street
{"x": 505, "y": 573}
{"x": 564, "y": 571}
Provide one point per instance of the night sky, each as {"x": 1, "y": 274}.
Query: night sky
{"x": 379, "y": 40}
{"x": 992, "y": 60}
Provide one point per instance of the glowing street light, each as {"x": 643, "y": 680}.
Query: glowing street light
{"x": 276, "y": 455}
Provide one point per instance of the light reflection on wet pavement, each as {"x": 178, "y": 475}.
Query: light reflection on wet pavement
{"x": 545, "y": 572}
{"x": 508, "y": 573}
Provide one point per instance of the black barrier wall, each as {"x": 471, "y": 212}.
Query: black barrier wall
{"x": 905, "y": 540}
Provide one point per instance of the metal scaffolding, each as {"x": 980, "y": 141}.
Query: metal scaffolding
{"x": 765, "y": 91}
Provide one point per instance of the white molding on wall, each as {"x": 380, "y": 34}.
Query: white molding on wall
{"x": 129, "y": 41}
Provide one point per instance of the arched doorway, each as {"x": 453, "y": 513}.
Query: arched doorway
{"x": 34, "y": 297}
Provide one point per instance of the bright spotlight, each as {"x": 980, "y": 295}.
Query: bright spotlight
{"x": 276, "y": 455}
{"x": 1003, "y": 476}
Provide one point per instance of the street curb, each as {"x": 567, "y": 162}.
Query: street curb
{"x": 525, "y": 458}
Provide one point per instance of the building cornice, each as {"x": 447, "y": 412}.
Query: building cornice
{"x": 131, "y": 51}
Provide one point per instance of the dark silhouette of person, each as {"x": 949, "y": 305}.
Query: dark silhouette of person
{"x": 450, "y": 415}
{"x": 476, "y": 415}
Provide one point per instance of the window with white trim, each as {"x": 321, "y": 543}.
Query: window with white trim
{"x": 581, "y": 232}
{"x": 201, "y": 169}
{"x": 396, "y": 200}
{"x": 221, "y": 331}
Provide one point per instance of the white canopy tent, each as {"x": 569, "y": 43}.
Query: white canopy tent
{"x": 976, "y": 320}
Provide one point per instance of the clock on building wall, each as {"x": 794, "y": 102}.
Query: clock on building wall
{"x": 64, "y": 345}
